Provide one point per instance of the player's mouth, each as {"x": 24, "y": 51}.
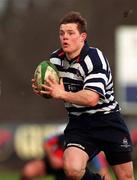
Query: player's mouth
{"x": 65, "y": 45}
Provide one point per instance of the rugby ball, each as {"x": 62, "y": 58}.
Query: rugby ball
{"x": 43, "y": 70}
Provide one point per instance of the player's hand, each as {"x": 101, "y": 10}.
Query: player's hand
{"x": 53, "y": 88}
{"x": 34, "y": 87}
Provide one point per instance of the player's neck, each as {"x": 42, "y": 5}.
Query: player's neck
{"x": 72, "y": 55}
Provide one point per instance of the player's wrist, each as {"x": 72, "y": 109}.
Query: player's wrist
{"x": 63, "y": 95}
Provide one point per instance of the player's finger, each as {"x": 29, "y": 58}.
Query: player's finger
{"x": 61, "y": 81}
{"x": 46, "y": 87}
{"x": 45, "y": 92}
{"x": 34, "y": 86}
{"x": 33, "y": 80}
{"x": 50, "y": 80}
{"x": 36, "y": 92}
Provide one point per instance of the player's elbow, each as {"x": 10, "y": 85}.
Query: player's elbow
{"x": 93, "y": 101}
{"x": 92, "y": 97}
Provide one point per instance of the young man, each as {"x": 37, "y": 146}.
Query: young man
{"x": 86, "y": 87}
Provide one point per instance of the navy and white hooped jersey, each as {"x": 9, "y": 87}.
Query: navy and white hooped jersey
{"x": 91, "y": 71}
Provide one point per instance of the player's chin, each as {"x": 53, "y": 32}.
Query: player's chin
{"x": 66, "y": 49}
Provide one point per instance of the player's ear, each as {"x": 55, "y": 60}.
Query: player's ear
{"x": 83, "y": 36}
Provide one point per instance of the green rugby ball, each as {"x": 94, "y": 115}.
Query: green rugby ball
{"x": 43, "y": 70}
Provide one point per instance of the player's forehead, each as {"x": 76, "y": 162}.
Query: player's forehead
{"x": 69, "y": 27}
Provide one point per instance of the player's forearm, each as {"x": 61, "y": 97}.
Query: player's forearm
{"x": 84, "y": 97}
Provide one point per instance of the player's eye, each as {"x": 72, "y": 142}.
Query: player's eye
{"x": 61, "y": 33}
{"x": 71, "y": 33}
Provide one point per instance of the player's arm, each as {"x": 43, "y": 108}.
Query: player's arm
{"x": 83, "y": 97}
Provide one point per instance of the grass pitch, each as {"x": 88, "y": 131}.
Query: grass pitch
{"x": 14, "y": 175}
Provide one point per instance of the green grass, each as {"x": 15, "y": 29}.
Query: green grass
{"x": 10, "y": 175}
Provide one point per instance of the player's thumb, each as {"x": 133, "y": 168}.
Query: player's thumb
{"x": 61, "y": 81}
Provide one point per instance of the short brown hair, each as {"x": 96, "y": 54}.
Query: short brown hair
{"x": 75, "y": 17}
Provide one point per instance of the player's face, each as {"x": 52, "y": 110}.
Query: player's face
{"x": 71, "y": 39}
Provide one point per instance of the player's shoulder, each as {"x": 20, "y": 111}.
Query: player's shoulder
{"x": 96, "y": 56}
{"x": 94, "y": 51}
{"x": 90, "y": 53}
{"x": 59, "y": 53}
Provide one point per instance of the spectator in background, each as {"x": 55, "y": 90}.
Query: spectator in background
{"x": 51, "y": 164}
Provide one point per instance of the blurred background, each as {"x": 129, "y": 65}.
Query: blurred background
{"x": 28, "y": 34}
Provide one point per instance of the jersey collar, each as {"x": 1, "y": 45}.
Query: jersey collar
{"x": 78, "y": 58}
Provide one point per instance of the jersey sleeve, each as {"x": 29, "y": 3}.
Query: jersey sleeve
{"x": 96, "y": 78}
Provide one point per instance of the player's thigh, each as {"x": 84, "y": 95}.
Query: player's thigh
{"x": 75, "y": 158}
{"x": 121, "y": 163}
{"x": 124, "y": 171}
